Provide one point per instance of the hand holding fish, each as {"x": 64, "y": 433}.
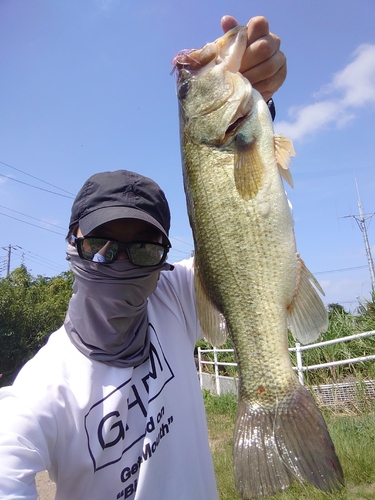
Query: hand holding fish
{"x": 263, "y": 63}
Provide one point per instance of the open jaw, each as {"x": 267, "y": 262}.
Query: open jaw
{"x": 227, "y": 49}
{"x": 195, "y": 59}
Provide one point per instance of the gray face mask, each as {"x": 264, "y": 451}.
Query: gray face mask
{"x": 107, "y": 314}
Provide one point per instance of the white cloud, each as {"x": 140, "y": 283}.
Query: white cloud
{"x": 351, "y": 88}
{"x": 357, "y": 80}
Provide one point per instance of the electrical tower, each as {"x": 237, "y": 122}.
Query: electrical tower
{"x": 362, "y": 221}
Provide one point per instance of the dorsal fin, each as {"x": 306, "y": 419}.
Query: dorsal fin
{"x": 283, "y": 151}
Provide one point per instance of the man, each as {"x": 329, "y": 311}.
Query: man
{"x": 111, "y": 406}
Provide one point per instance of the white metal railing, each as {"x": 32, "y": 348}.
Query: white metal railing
{"x": 298, "y": 349}
{"x": 215, "y": 362}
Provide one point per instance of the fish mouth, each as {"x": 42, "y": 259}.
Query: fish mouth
{"x": 227, "y": 49}
{"x": 194, "y": 60}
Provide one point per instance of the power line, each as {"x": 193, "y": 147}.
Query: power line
{"x": 43, "y": 259}
{"x": 55, "y": 269}
{"x": 181, "y": 241}
{"x": 37, "y": 187}
{"x": 34, "y": 218}
{"x": 37, "y": 178}
{"x": 30, "y": 224}
{"x": 339, "y": 270}
{"x": 26, "y": 254}
{"x": 172, "y": 258}
{"x": 178, "y": 251}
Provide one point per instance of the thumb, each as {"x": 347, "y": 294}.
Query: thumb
{"x": 228, "y": 22}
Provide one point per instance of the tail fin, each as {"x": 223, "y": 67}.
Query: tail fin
{"x": 272, "y": 447}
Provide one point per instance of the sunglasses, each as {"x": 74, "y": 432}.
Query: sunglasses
{"x": 140, "y": 253}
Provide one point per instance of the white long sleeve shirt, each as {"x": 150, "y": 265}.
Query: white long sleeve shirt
{"x": 108, "y": 433}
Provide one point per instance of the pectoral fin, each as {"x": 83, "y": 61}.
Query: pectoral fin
{"x": 248, "y": 167}
{"x": 283, "y": 151}
{"x": 211, "y": 321}
{"x": 307, "y": 315}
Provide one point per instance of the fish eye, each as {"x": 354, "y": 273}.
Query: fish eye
{"x": 183, "y": 89}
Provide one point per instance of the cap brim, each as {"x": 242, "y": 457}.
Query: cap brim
{"x": 107, "y": 214}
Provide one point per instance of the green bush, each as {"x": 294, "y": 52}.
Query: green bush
{"x": 30, "y": 309}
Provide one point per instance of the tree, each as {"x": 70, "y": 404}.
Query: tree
{"x": 30, "y": 309}
{"x": 336, "y": 308}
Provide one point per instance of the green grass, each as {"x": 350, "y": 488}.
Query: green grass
{"x": 353, "y": 436}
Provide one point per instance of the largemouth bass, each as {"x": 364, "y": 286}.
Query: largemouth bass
{"x": 247, "y": 267}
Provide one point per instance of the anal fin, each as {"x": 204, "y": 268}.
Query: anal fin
{"x": 307, "y": 315}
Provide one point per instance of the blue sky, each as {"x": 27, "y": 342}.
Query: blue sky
{"x": 85, "y": 87}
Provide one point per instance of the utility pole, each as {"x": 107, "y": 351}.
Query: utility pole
{"x": 9, "y": 254}
{"x": 9, "y": 250}
{"x": 361, "y": 220}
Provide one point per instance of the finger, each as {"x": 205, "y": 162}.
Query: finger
{"x": 269, "y": 86}
{"x": 265, "y": 68}
{"x": 257, "y": 28}
{"x": 227, "y": 23}
{"x": 259, "y": 51}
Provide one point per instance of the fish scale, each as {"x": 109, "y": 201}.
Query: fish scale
{"x": 247, "y": 269}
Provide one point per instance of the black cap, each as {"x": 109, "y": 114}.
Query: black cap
{"x": 120, "y": 194}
